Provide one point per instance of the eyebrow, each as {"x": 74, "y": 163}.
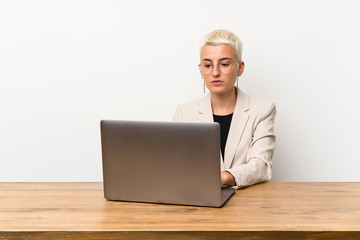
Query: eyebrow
{"x": 209, "y": 60}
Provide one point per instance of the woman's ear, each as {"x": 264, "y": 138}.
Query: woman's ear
{"x": 241, "y": 68}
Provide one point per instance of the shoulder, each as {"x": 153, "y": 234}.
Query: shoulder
{"x": 260, "y": 103}
{"x": 189, "y": 110}
{"x": 261, "y": 107}
{"x": 190, "y": 105}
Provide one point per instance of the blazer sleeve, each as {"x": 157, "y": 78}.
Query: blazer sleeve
{"x": 257, "y": 167}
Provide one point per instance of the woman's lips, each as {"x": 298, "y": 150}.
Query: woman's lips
{"x": 216, "y": 82}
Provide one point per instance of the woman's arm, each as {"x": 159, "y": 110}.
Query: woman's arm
{"x": 259, "y": 156}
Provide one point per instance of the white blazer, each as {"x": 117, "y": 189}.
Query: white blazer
{"x": 251, "y": 140}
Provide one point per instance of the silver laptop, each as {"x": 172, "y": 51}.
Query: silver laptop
{"x": 162, "y": 162}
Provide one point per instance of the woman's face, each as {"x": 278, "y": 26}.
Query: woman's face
{"x": 220, "y": 59}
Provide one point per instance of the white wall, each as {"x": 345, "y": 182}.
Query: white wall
{"x": 66, "y": 64}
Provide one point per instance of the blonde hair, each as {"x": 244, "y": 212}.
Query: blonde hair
{"x": 221, "y": 36}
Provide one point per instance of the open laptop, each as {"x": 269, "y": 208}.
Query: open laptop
{"x": 162, "y": 162}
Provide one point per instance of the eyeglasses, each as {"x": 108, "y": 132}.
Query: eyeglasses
{"x": 225, "y": 66}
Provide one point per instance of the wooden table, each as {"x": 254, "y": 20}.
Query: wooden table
{"x": 272, "y": 210}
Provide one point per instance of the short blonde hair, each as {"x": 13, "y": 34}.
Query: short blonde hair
{"x": 221, "y": 36}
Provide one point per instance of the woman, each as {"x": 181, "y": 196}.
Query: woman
{"x": 246, "y": 122}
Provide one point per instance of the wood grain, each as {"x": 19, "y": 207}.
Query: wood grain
{"x": 272, "y": 210}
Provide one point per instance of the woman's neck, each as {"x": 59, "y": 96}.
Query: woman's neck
{"x": 223, "y": 104}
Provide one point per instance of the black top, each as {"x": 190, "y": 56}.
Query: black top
{"x": 224, "y": 122}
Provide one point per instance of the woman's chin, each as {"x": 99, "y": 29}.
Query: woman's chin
{"x": 221, "y": 90}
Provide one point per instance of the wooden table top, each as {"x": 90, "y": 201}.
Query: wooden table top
{"x": 270, "y": 206}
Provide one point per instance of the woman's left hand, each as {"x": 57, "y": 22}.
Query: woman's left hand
{"x": 227, "y": 179}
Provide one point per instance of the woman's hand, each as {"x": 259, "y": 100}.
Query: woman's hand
{"x": 227, "y": 179}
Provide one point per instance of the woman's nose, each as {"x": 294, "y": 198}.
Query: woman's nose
{"x": 216, "y": 70}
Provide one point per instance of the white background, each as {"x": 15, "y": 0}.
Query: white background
{"x": 65, "y": 65}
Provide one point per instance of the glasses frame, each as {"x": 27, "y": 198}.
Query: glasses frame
{"x": 217, "y": 65}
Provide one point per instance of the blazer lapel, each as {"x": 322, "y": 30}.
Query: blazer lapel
{"x": 238, "y": 123}
{"x": 206, "y": 115}
{"x": 205, "y": 109}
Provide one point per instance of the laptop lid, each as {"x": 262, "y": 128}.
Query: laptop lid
{"x": 162, "y": 162}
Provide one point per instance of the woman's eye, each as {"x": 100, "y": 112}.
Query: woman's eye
{"x": 207, "y": 65}
{"x": 225, "y": 64}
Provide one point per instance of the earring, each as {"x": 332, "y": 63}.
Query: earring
{"x": 237, "y": 82}
{"x": 204, "y": 87}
